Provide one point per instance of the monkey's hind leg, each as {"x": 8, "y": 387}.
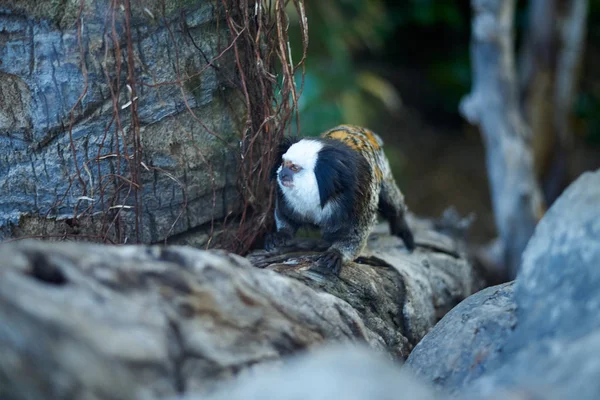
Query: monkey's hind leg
{"x": 393, "y": 209}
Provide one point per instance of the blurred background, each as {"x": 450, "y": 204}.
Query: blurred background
{"x": 402, "y": 68}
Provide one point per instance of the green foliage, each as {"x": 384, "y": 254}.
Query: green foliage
{"x": 348, "y": 37}
{"x": 453, "y": 78}
{"x": 336, "y": 88}
{"x": 430, "y": 12}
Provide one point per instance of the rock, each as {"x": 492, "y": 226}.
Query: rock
{"x": 457, "y": 350}
{"x": 335, "y": 372}
{"x": 552, "y": 351}
{"x": 556, "y": 342}
{"x": 557, "y": 290}
{"x": 552, "y": 369}
{"x": 65, "y": 166}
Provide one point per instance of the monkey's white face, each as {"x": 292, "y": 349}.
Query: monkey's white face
{"x": 297, "y": 180}
{"x": 298, "y": 165}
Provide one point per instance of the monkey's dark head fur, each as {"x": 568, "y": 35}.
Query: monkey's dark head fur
{"x": 326, "y": 176}
{"x": 337, "y": 182}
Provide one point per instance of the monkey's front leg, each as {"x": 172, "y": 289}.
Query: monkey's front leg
{"x": 275, "y": 240}
{"x": 344, "y": 248}
{"x": 286, "y": 229}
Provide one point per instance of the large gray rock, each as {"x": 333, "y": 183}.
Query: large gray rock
{"x": 337, "y": 372}
{"x": 551, "y": 369}
{"x": 556, "y": 343}
{"x": 558, "y": 287}
{"x": 552, "y": 353}
{"x": 63, "y": 146}
{"x": 459, "y": 348}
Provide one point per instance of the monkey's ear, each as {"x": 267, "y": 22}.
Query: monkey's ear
{"x": 282, "y": 148}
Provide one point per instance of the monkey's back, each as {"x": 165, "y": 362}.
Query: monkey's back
{"x": 367, "y": 143}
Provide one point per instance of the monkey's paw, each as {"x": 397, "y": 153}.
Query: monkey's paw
{"x": 274, "y": 240}
{"x": 329, "y": 262}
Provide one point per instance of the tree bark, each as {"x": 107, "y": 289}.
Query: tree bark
{"x": 550, "y": 63}
{"x": 493, "y": 105}
{"x": 112, "y": 117}
{"x": 107, "y": 322}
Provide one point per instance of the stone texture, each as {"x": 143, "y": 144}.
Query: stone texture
{"x": 553, "y": 368}
{"x": 61, "y": 147}
{"x": 458, "y": 349}
{"x": 536, "y": 338}
{"x": 557, "y": 289}
{"x": 556, "y": 342}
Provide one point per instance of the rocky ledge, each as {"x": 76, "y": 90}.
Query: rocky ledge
{"x": 105, "y": 322}
{"x": 88, "y": 321}
{"x": 539, "y": 336}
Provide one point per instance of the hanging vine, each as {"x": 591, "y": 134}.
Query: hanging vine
{"x": 109, "y": 205}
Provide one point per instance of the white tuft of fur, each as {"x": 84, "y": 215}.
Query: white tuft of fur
{"x": 304, "y": 153}
{"x": 303, "y": 197}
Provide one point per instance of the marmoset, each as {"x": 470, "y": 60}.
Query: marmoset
{"x": 337, "y": 182}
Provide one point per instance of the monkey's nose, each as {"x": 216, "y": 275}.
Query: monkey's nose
{"x": 286, "y": 178}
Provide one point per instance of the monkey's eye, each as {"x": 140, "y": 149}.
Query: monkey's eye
{"x": 295, "y": 168}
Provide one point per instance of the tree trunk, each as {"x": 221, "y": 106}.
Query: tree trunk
{"x": 119, "y": 121}
{"x": 123, "y": 322}
{"x": 550, "y": 62}
{"x": 493, "y": 105}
